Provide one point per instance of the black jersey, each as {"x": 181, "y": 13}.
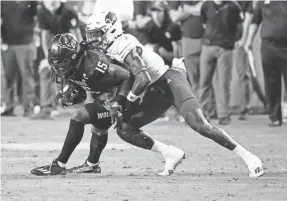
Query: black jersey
{"x": 93, "y": 73}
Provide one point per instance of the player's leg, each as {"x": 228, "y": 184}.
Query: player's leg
{"x": 74, "y": 135}
{"x": 98, "y": 142}
{"x": 101, "y": 122}
{"x": 190, "y": 109}
{"x": 153, "y": 106}
{"x": 244, "y": 85}
{"x": 73, "y": 138}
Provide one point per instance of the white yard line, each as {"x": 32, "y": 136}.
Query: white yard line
{"x": 58, "y": 146}
{"x": 81, "y": 146}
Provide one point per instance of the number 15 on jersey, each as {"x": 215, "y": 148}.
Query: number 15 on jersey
{"x": 102, "y": 67}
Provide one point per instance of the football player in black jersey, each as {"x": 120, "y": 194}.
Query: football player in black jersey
{"x": 82, "y": 69}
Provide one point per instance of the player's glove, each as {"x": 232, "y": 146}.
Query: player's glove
{"x": 115, "y": 110}
{"x": 71, "y": 95}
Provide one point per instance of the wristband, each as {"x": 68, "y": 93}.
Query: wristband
{"x": 131, "y": 97}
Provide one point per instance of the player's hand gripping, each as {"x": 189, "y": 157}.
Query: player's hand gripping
{"x": 115, "y": 110}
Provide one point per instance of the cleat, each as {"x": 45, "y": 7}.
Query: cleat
{"x": 255, "y": 167}
{"x": 173, "y": 158}
{"x": 49, "y": 170}
{"x": 85, "y": 168}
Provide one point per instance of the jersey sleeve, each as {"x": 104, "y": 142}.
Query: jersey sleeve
{"x": 42, "y": 20}
{"x": 257, "y": 15}
{"x": 73, "y": 19}
{"x": 122, "y": 47}
{"x": 175, "y": 32}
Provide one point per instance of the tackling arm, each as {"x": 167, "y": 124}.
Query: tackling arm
{"x": 124, "y": 76}
{"x": 256, "y": 21}
{"x": 138, "y": 68}
{"x": 44, "y": 40}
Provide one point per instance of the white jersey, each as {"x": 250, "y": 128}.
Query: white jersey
{"x": 124, "y": 44}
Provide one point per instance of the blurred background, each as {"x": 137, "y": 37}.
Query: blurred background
{"x": 173, "y": 29}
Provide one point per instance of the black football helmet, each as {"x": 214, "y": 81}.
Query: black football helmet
{"x": 64, "y": 55}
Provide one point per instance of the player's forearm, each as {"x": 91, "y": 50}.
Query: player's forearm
{"x": 177, "y": 16}
{"x": 123, "y": 91}
{"x": 138, "y": 68}
{"x": 44, "y": 39}
{"x": 142, "y": 81}
{"x": 251, "y": 33}
{"x": 246, "y": 24}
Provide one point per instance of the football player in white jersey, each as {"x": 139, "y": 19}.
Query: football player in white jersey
{"x": 162, "y": 87}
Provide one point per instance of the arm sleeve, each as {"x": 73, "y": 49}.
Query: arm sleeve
{"x": 175, "y": 32}
{"x": 74, "y": 20}
{"x": 148, "y": 32}
{"x": 31, "y": 8}
{"x": 238, "y": 11}
{"x": 43, "y": 24}
{"x": 249, "y": 7}
{"x": 257, "y": 16}
{"x": 202, "y": 12}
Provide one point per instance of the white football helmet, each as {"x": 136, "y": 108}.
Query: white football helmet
{"x": 103, "y": 28}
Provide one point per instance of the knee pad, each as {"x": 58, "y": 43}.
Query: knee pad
{"x": 98, "y": 132}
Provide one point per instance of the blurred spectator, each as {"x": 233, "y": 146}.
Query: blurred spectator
{"x": 161, "y": 35}
{"x": 272, "y": 15}
{"x": 39, "y": 57}
{"x": 18, "y": 51}
{"x": 161, "y": 32}
{"x": 220, "y": 19}
{"x": 241, "y": 62}
{"x": 141, "y": 17}
{"x": 123, "y": 8}
{"x": 188, "y": 14}
{"x": 54, "y": 17}
{"x": 85, "y": 11}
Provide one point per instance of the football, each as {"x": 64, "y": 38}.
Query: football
{"x": 73, "y": 94}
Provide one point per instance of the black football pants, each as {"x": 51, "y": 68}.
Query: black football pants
{"x": 274, "y": 63}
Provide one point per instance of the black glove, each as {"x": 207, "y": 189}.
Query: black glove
{"x": 115, "y": 110}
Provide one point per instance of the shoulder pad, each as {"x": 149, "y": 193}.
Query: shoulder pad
{"x": 96, "y": 61}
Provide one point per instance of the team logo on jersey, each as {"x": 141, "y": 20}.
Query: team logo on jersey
{"x": 111, "y": 18}
{"x": 102, "y": 115}
{"x": 68, "y": 41}
{"x": 85, "y": 76}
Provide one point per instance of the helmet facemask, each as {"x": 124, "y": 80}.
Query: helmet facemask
{"x": 65, "y": 68}
{"x": 97, "y": 37}
{"x": 103, "y": 29}
{"x": 64, "y": 56}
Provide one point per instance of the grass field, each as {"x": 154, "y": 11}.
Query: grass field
{"x": 209, "y": 172}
